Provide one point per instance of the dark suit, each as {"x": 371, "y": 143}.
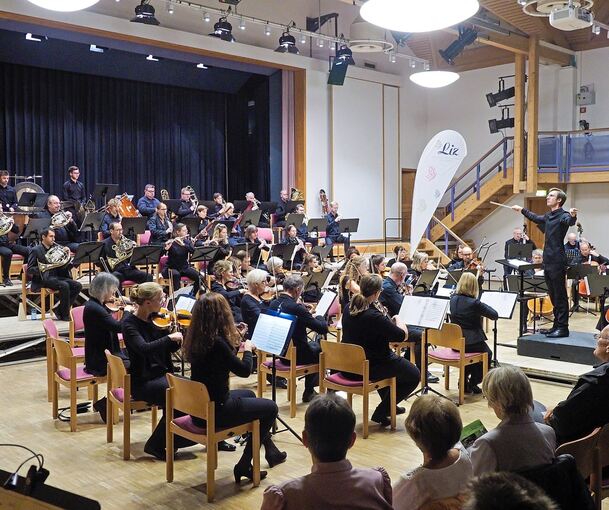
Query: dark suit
{"x": 467, "y": 312}
{"x": 158, "y": 229}
{"x": 306, "y": 352}
{"x": 7, "y": 249}
{"x": 65, "y": 236}
{"x": 232, "y": 296}
{"x": 185, "y": 211}
{"x": 124, "y": 270}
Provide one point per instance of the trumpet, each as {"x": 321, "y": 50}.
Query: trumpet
{"x": 57, "y": 256}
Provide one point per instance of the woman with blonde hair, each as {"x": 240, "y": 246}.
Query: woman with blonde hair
{"x": 349, "y": 281}
{"x": 467, "y": 311}
{"x": 419, "y": 263}
{"x": 219, "y": 238}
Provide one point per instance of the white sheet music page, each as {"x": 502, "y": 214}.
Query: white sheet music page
{"x": 502, "y": 302}
{"x": 327, "y": 298}
{"x": 518, "y": 262}
{"x": 185, "y": 303}
{"x": 424, "y": 312}
{"x": 271, "y": 333}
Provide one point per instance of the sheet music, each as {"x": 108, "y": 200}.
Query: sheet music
{"x": 424, "y": 312}
{"x": 518, "y": 262}
{"x": 328, "y": 280}
{"x": 271, "y": 333}
{"x": 445, "y": 292}
{"x": 502, "y": 302}
{"x": 327, "y": 298}
{"x": 185, "y": 303}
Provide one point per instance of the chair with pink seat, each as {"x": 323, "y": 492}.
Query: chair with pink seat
{"x": 77, "y": 326}
{"x": 336, "y": 358}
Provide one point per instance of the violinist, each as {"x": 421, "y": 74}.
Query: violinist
{"x": 187, "y": 207}
{"x": 420, "y": 260}
{"x": 228, "y": 286}
{"x": 274, "y": 266}
{"x": 401, "y": 254}
{"x": 348, "y": 285}
{"x": 150, "y": 350}
{"x": 218, "y": 239}
{"x": 469, "y": 263}
{"x": 377, "y": 265}
{"x": 101, "y": 330}
{"x": 291, "y": 237}
{"x": 458, "y": 256}
{"x": 251, "y": 302}
{"x": 178, "y": 249}
{"x": 160, "y": 225}
{"x": 203, "y": 230}
{"x": 245, "y": 265}
{"x": 110, "y": 216}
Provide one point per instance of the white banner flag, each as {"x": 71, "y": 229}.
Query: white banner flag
{"x": 437, "y": 166}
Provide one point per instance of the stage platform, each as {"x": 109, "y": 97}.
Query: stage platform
{"x": 578, "y": 347}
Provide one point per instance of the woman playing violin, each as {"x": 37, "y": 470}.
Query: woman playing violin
{"x": 348, "y": 284}
{"x": 226, "y": 285}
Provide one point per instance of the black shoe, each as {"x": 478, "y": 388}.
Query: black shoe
{"x": 558, "y": 333}
{"x": 280, "y": 382}
{"x": 399, "y": 410}
{"x": 276, "y": 458}
{"x": 378, "y": 417}
{"x": 474, "y": 389}
{"x": 100, "y": 407}
{"x": 158, "y": 454}
{"x": 246, "y": 472}
{"x": 7, "y": 282}
{"x": 223, "y": 446}
{"x": 308, "y": 395}
{"x": 548, "y": 331}
{"x": 432, "y": 378}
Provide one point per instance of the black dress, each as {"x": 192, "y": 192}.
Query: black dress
{"x": 250, "y": 310}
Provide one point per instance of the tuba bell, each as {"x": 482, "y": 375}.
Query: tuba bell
{"x": 123, "y": 249}
{"x": 6, "y": 223}
{"x": 57, "y": 256}
{"x": 59, "y": 219}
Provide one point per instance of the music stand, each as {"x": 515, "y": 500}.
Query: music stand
{"x": 316, "y": 225}
{"x": 91, "y": 222}
{"x": 294, "y": 219}
{"x": 134, "y": 226}
{"x": 520, "y": 251}
{"x": 520, "y": 267}
{"x": 272, "y": 334}
{"x": 250, "y": 218}
{"x": 291, "y": 205}
{"x": 204, "y": 254}
{"x": 322, "y": 252}
{"x": 316, "y": 280}
{"x": 35, "y": 226}
{"x": 192, "y": 224}
{"x": 504, "y": 304}
{"x": 283, "y": 251}
{"x": 173, "y": 205}
{"x": 32, "y": 199}
{"x": 427, "y": 280}
{"x": 207, "y": 203}
{"x": 579, "y": 272}
{"x": 103, "y": 191}
{"x": 90, "y": 253}
{"x": 598, "y": 285}
{"x": 146, "y": 255}
{"x": 240, "y": 205}
{"x": 348, "y": 227}
{"x": 229, "y": 224}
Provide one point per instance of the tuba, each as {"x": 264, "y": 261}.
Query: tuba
{"x": 59, "y": 219}
{"x": 57, "y": 256}
{"x": 296, "y": 194}
{"x": 6, "y": 223}
{"x": 123, "y": 249}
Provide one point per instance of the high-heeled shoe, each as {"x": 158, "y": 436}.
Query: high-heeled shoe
{"x": 240, "y": 471}
{"x": 275, "y": 458}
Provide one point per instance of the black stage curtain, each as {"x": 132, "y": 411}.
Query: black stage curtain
{"x": 117, "y": 131}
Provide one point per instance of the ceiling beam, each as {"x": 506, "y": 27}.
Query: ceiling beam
{"x": 478, "y": 58}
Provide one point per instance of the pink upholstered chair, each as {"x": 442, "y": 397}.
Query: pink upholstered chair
{"x": 266, "y": 234}
{"x": 77, "y": 326}
{"x": 144, "y": 238}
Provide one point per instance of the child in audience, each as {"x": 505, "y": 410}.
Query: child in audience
{"x": 333, "y": 483}
{"x": 434, "y": 424}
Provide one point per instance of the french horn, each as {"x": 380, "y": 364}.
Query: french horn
{"x": 57, "y": 256}
{"x": 6, "y": 224}
{"x": 123, "y": 249}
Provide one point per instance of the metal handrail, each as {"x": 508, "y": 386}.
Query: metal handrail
{"x": 486, "y": 155}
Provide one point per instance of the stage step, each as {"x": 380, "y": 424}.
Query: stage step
{"x": 576, "y": 348}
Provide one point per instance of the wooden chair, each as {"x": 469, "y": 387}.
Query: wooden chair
{"x": 50, "y": 329}
{"x": 335, "y": 326}
{"x": 586, "y": 454}
{"x": 398, "y": 347}
{"x": 451, "y": 353}
{"x": 43, "y": 293}
{"x": 352, "y": 358}
{"x": 15, "y": 268}
{"x": 192, "y": 398}
{"x": 290, "y": 372}
{"x": 77, "y": 325}
{"x": 119, "y": 397}
{"x": 68, "y": 373}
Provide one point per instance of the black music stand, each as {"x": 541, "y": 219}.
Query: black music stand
{"x": 192, "y": 224}
{"x": 173, "y": 205}
{"x": 134, "y": 226}
{"x": 322, "y": 252}
{"x": 90, "y": 253}
{"x": 316, "y": 280}
{"x": 91, "y": 223}
{"x": 426, "y": 281}
{"x": 504, "y": 304}
{"x": 34, "y": 227}
{"x": 229, "y": 224}
{"x": 291, "y": 205}
{"x": 204, "y": 254}
{"x": 207, "y": 203}
{"x": 32, "y": 199}
{"x": 250, "y": 218}
{"x": 272, "y": 334}
{"x": 294, "y": 219}
{"x": 240, "y": 205}
{"x": 146, "y": 255}
{"x": 103, "y": 191}
{"x": 316, "y": 225}
{"x": 520, "y": 251}
{"x": 348, "y": 226}
{"x": 598, "y": 285}
{"x": 579, "y": 272}
{"x": 284, "y": 251}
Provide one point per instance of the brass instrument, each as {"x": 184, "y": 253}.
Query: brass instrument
{"x": 296, "y": 194}
{"x": 60, "y": 219}
{"x": 56, "y": 256}
{"x": 123, "y": 249}
{"x": 6, "y": 223}
{"x": 193, "y": 196}
{"x": 164, "y": 195}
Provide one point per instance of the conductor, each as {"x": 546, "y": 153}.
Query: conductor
{"x": 554, "y": 225}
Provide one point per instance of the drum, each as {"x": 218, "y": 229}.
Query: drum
{"x": 26, "y": 186}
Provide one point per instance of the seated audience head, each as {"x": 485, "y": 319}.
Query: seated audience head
{"x": 293, "y": 285}
{"x": 419, "y": 261}
{"x": 370, "y": 287}
{"x": 508, "y": 392}
{"x": 602, "y": 345}
{"x": 468, "y": 285}
{"x": 103, "y": 287}
{"x": 434, "y": 424}
{"x": 329, "y": 428}
{"x": 506, "y": 491}
{"x": 274, "y": 265}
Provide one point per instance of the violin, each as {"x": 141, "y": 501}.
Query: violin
{"x": 234, "y": 284}
{"x": 164, "y": 319}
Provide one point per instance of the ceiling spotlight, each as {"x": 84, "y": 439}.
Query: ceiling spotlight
{"x": 97, "y": 49}
{"x": 466, "y": 37}
{"x": 170, "y": 8}
{"x": 503, "y": 94}
{"x": 504, "y": 123}
{"x": 144, "y": 13}
{"x": 223, "y": 30}
{"x": 320, "y": 43}
{"x": 413, "y": 64}
{"x": 152, "y": 58}
{"x": 64, "y": 5}
{"x": 596, "y": 30}
{"x": 206, "y": 17}
{"x": 242, "y": 24}
{"x": 303, "y": 38}
{"x": 267, "y": 29}
{"x": 202, "y": 66}
{"x": 342, "y": 60}
{"x": 392, "y": 57}
{"x": 417, "y": 16}
{"x": 426, "y": 66}
{"x": 36, "y": 38}
{"x": 434, "y": 79}
{"x": 287, "y": 44}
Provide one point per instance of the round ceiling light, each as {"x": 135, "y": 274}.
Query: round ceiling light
{"x": 64, "y": 5}
{"x": 417, "y": 16}
{"x": 434, "y": 79}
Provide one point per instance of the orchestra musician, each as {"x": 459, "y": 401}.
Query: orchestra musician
{"x": 367, "y": 323}
{"x": 187, "y": 207}
{"x": 8, "y": 196}
{"x": 7, "y": 249}
{"x": 253, "y": 242}
{"x": 420, "y": 260}
{"x": 148, "y": 204}
{"x": 204, "y": 225}
{"x": 401, "y": 254}
{"x": 572, "y": 250}
{"x": 123, "y": 270}
{"x": 303, "y": 230}
{"x": 310, "y": 264}
{"x": 589, "y": 257}
{"x": 537, "y": 258}
{"x": 74, "y": 191}
{"x": 178, "y": 249}
{"x": 288, "y": 301}
{"x": 110, "y": 216}
{"x": 68, "y": 235}
{"x": 218, "y": 205}
{"x": 348, "y": 284}
{"x": 211, "y": 346}
{"x": 291, "y": 237}
{"x": 458, "y": 255}
{"x": 281, "y": 211}
{"x": 251, "y": 302}
{"x": 274, "y": 265}
{"x": 226, "y": 285}
{"x": 468, "y": 262}
{"x": 252, "y": 202}
{"x": 518, "y": 237}
{"x": 244, "y": 262}
{"x": 218, "y": 239}
{"x": 555, "y": 224}
{"x": 160, "y": 225}
{"x": 150, "y": 350}
{"x": 333, "y": 234}
{"x": 59, "y": 278}
{"x": 377, "y": 264}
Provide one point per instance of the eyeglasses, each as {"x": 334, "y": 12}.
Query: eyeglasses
{"x": 598, "y": 336}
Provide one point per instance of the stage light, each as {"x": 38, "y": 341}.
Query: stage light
{"x": 242, "y": 24}
{"x": 97, "y": 49}
{"x": 466, "y": 37}
{"x": 267, "y": 30}
{"x": 504, "y": 122}
{"x": 392, "y": 57}
{"x": 320, "y": 43}
{"x": 413, "y": 64}
{"x": 64, "y": 5}
{"x": 152, "y": 58}
{"x": 426, "y": 66}
{"x": 434, "y": 79}
{"x": 144, "y": 13}
{"x": 303, "y": 39}
{"x": 36, "y": 38}
{"x": 223, "y": 30}
{"x": 418, "y": 16}
{"x": 287, "y": 44}
{"x": 206, "y": 17}
{"x": 503, "y": 94}
{"x": 342, "y": 60}
{"x": 170, "y": 8}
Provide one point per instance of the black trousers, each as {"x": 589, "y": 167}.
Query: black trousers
{"x": 6, "y": 254}
{"x": 68, "y": 292}
{"x": 133, "y": 274}
{"x": 305, "y": 355}
{"x": 407, "y": 379}
{"x": 555, "y": 280}
{"x": 190, "y": 272}
{"x": 473, "y": 373}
